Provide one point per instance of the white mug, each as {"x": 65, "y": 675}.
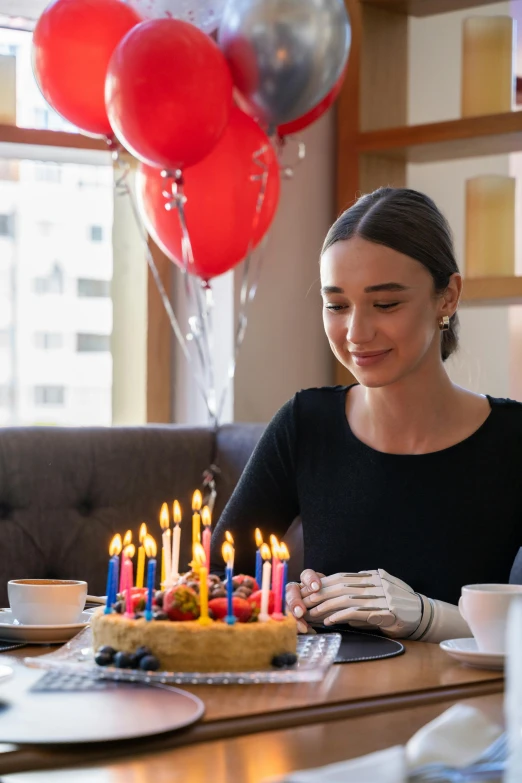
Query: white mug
{"x": 485, "y": 609}
{"x": 47, "y": 601}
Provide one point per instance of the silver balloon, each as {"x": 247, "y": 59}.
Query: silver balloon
{"x": 205, "y": 14}
{"x": 285, "y": 55}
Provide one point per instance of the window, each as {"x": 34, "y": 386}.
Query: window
{"x": 51, "y": 283}
{"x": 6, "y": 395}
{"x": 98, "y": 288}
{"x": 44, "y": 227}
{"x": 41, "y": 118}
{"x": 9, "y": 170}
{"x": 49, "y": 395}
{"x": 93, "y": 343}
{"x": 47, "y": 172}
{"x": 96, "y": 233}
{"x": 6, "y": 226}
{"x": 48, "y": 341}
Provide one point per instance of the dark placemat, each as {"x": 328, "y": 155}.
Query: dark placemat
{"x": 9, "y": 646}
{"x": 363, "y": 645}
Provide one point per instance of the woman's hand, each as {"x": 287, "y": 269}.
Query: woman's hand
{"x": 295, "y": 592}
{"x": 367, "y": 598}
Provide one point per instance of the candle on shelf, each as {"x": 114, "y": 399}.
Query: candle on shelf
{"x": 150, "y": 550}
{"x": 265, "y": 583}
{"x": 200, "y": 558}
{"x": 128, "y": 554}
{"x": 488, "y": 82}
{"x": 284, "y": 556}
{"x": 259, "y": 560}
{"x": 140, "y": 568}
{"x": 197, "y": 502}
{"x": 112, "y": 578}
{"x": 206, "y": 518}
{"x": 176, "y": 538}
{"x": 227, "y": 550}
{"x": 274, "y": 546}
{"x": 166, "y": 547}
{"x": 127, "y": 540}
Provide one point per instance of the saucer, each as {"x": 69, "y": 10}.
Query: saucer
{"x": 13, "y": 631}
{"x": 466, "y": 651}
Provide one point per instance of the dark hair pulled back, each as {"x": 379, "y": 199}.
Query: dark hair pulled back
{"x": 410, "y": 223}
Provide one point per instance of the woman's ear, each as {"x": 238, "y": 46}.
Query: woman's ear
{"x": 451, "y": 296}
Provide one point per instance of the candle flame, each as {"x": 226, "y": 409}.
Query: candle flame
{"x": 206, "y": 516}
{"x": 115, "y": 546}
{"x": 127, "y": 538}
{"x": 284, "y": 554}
{"x": 266, "y": 554}
{"x": 176, "y": 512}
{"x": 199, "y": 555}
{"x": 143, "y": 532}
{"x": 164, "y": 517}
{"x": 129, "y": 551}
{"x": 227, "y": 550}
{"x": 259, "y": 537}
{"x": 197, "y": 500}
{"x": 228, "y": 537}
{"x": 150, "y": 546}
{"x": 274, "y": 545}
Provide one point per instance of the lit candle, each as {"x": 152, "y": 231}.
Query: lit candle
{"x": 127, "y": 540}
{"x": 259, "y": 559}
{"x": 176, "y": 537}
{"x": 284, "y": 555}
{"x": 274, "y": 546}
{"x": 140, "y": 568}
{"x": 206, "y": 518}
{"x": 166, "y": 549}
{"x": 112, "y": 579}
{"x": 200, "y": 558}
{"x": 227, "y": 551}
{"x": 265, "y": 583}
{"x": 197, "y": 502}
{"x": 150, "y": 550}
{"x": 228, "y": 537}
{"x": 128, "y": 554}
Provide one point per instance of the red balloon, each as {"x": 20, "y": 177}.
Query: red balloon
{"x": 221, "y": 200}
{"x": 168, "y": 93}
{"x": 307, "y": 119}
{"x": 72, "y": 44}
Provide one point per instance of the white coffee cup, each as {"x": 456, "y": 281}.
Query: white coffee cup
{"x": 485, "y": 609}
{"x": 47, "y": 601}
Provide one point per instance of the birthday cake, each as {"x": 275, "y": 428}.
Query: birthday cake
{"x": 177, "y": 638}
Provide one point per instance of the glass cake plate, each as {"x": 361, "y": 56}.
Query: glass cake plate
{"x": 315, "y": 655}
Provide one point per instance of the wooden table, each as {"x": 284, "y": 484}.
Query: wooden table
{"x": 253, "y": 758}
{"x": 424, "y": 675}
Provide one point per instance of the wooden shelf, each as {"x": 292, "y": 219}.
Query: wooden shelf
{"x": 498, "y": 291}
{"x": 12, "y": 134}
{"x": 494, "y": 134}
{"x": 426, "y": 7}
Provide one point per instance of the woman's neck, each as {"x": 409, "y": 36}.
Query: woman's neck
{"x": 421, "y": 413}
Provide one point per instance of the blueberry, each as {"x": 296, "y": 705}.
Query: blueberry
{"x": 290, "y": 659}
{"x": 122, "y": 660}
{"x": 102, "y": 659}
{"x": 141, "y": 652}
{"x": 134, "y": 662}
{"x": 279, "y": 661}
{"x": 158, "y": 598}
{"x": 149, "y": 663}
{"x": 118, "y": 607}
{"x": 160, "y": 616}
{"x": 106, "y": 650}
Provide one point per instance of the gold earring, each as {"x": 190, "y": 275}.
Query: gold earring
{"x": 444, "y": 323}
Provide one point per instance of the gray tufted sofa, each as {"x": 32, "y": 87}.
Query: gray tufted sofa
{"x": 64, "y": 492}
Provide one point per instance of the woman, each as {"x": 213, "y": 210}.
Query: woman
{"x": 404, "y": 476}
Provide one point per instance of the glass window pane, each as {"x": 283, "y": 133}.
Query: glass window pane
{"x": 55, "y": 304}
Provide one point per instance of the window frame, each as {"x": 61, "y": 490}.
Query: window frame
{"x": 17, "y": 142}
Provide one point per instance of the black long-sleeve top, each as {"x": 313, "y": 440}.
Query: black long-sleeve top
{"x": 437, "y": 521}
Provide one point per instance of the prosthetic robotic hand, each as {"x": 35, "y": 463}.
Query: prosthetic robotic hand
{"x": 377, "y": 599}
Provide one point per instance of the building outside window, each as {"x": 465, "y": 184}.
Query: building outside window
{"x": 48, "y": 341}
{"x": 50, "y": 284}
{"x": 93, "y": 343}
{"x": 6, "y": 225}
{"x": 49, "y": 395}
{"x": 96, "y": 233}
{"x": 93, "y": 288}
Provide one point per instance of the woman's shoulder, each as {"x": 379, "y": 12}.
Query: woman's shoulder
{"x": 507, "y": 411}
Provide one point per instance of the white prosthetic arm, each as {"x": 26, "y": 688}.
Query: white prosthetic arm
{"x": 377, "y": 599}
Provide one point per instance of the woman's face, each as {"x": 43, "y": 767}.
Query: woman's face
{"x": 379, "y": 311}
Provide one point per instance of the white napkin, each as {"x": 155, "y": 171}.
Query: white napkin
{"x": 457, "y": 737}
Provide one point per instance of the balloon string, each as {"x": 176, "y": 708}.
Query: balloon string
{"x": 122, "y": 188}
{"x": 280, "y": 145}
{"x": 200, "y": 325}
{"x": 247, "y": 290}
